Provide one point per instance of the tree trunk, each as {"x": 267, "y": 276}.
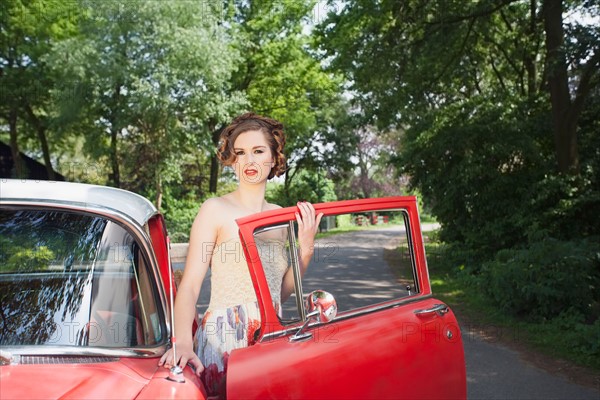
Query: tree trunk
{"x": 529, "y": 59}
{"x": 114, "y": 133}
{"x": 114, "y": 157}
{"x": 214, "y": 174}
{"x": 564, "y": 122}
{"x": 159, "y": 191}
{"x": 365, "y": 183}
{"x": 214, "y": 161}
{"x": 40, "y": 128}
{"x": 287, "y": 180}
{"x": 46, "y": 152}
{"x": 20, "y": 169}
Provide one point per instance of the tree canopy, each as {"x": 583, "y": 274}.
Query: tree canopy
{"x": 480, "y": 106}
{"x": 404, "y": 59}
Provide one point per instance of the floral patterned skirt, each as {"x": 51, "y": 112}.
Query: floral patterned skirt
{"x": 220, "y": 332}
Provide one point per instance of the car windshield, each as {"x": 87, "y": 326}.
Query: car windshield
{"x": 74, "y": 279}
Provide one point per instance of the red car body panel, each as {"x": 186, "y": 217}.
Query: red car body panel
{"x": 390, "y": 354}
{"x": 158, "y": 235}
{"x": 386, "y": 352}
{"x": 109, "y": 380}
{"x": 161, "y": 245}
{"x": 162, "y": 388}
{"x": 123, "y": 379}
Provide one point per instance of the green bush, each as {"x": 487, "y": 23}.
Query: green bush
{"x": 22, "y": 259}
{"x": 344, "y": 221}
{"x": 179, "y": 216}
{"x": 570, "y": 332}
{"x": 479, "y": 187}
{"x": 307, "y": 185}
{"x": 546, "y": 278}
{"x": 566, "y": 206}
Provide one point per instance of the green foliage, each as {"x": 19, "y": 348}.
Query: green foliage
{"x": 283, "y": 78}
{"x": 146, "y": 86}
{"x": 27, "y": 260}
{"x": 405, "y": 58}
{"x": 179, "y": 217}
{"x": 568, "y": 335}
{"x": 566, "y": 207}
{"x": 546, "y": 278}
{"x": 28, "y": 32}
{"x": 139, "y": 90}
{"x": 309, "y": 186}
{"x": 344, "y": 221}
{"x": 569, "y": 206}
{"x": 569, "y": 330}
{"x": 479, "y": 187}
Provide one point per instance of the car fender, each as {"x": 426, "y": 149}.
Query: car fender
{"x": 160, "y": 387}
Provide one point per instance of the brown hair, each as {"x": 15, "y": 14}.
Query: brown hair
{"x": 272, "y": 129}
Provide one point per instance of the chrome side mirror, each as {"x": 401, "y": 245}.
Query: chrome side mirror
{"x": 321, "y": 307}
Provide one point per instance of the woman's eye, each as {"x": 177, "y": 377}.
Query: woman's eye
{"x": 259, "y": 151}
{"x": 239, "y": 153}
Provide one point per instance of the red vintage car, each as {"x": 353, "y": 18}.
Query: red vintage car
{"x": 86, "y": 291}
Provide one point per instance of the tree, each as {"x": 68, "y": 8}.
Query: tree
{"x": 404, "y": 59}
{"x": 481, "y": 187}
{"x": 375, "y": 175}
{"x": 583, "y": 54}
{"x": 29, "y": 30}
{"x": 149, "y": 85}
{"x": 284, "y": 80}
{"x": 311, "y": 186}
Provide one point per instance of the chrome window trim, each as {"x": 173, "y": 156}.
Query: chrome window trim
{"x": 140, "y": 233}
{"x": 269, "y": 228}
{"x": 410, "y": 243}
{"x": 138, "y": 352}
{"x": 346, "y": 315}
{"x": 296, "y": 270}
{"x": 128, "y": 203}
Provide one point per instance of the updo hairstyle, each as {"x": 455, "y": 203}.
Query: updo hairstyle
{"x": 273, "y": 131}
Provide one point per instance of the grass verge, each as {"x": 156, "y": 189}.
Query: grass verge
{"x": 352, "y": 228}
{"x": 562, "y": 344}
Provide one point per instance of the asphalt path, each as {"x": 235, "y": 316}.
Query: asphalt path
{"x": 494, "y": 370}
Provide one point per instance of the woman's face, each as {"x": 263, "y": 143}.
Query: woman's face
{"x": 254, "y": 159}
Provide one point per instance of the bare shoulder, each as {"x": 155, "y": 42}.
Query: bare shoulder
{"x": 271, "y": 206}
{"x": 212, "y": 204}
{"x": 212, "y": 211}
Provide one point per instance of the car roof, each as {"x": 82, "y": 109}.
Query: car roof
{"x": 134, "y": 206}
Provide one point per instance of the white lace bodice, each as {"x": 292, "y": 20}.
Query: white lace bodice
{"x": 231, "y": 284}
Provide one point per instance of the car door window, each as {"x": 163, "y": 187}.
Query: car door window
{"x": 275, "y": 248}
{"x": 364, "y": 259}
{"x": 74, "y": 279}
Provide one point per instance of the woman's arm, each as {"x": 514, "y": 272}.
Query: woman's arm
{"x": 203, "y": 237}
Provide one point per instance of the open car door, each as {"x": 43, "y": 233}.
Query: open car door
{"x": 390, "y": 337}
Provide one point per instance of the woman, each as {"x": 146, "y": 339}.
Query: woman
{"x": 253, "y": 145}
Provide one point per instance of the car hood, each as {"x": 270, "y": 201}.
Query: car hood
{"x": 106, "y": 380}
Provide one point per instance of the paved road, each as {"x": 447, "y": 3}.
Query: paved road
{"x": 493, "y": 370}
{"x": 497, "y": 372}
